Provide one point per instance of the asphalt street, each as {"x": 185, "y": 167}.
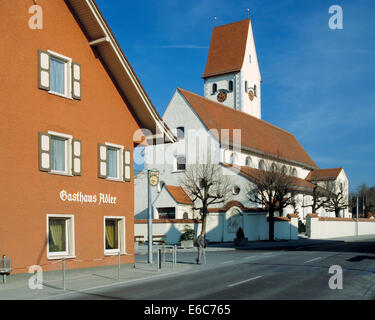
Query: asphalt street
{"x": 282, "y": 273}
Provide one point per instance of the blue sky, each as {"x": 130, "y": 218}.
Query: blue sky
{"x": 318, "y": 83}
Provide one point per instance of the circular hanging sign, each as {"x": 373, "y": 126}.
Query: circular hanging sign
{"x": 154, "y": 177}
{"x": 251, "y": 95}
{"x": 221, "y": 96}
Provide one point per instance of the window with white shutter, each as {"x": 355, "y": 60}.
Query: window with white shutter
{"x": 102, "y": 161}
{"x": 59, "y": 75}
{"x": 59, "y": 153}
{"x": 76, "y": 81}
{"x": 44, "y": 152}
{"x": 76, "y": 157}
{"x": 127, "y": 165}
{"x": 43, "y": 72}
{"x": 114, "y": 162}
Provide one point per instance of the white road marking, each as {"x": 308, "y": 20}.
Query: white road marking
{"x": 238, "y": 283}
{"x": 226, "y": 262}
{"x": 313, "y": 259}
{"x": 268, "y": 253}
{"x": 249, "y": 257}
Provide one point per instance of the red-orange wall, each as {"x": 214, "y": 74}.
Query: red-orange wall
{"x": 27, "y": 194}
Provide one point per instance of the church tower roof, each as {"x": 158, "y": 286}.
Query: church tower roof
{"x": 227, "y": 48}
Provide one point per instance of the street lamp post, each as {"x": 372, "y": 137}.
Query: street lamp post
{"x": 356, "y": 227}
{"x": 152, "y": 181}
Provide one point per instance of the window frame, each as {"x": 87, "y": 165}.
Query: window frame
{"x": 175, "y": 163}
{"x": 68, "y": 153}
{"x": 120, "y": 160}
{"x": 179, "y": 130}
{"x": 261, "y": 165}
{"x": 248, "y": 159}
{"x": 121, "y": 236}
{"x": 236, "y": 190}
{"x": 69, "y": 237}
{"x": 67, "y": 74}
{"x": 230, "y": 85}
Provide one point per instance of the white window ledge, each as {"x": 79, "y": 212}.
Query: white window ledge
{"x": 60, "y": 173}
{"x": 60, "y": 95}
{"x": 59, "y": 257}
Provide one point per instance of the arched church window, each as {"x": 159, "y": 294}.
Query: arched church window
{"x": 248, "y": 162}
{"x": 284, "y": 170}
{"x": 233, "y": 159}
{"x": 261, "y": 165}
{"x": 214, "y": 88}
{"x": 230, "y": 86}
{"x": 294, "y": 172}
{"x": 245, "y": 86}
{"x": 255, "y": 90}
{"x": 185, "y": 215}
{"x": 273, "y": 167}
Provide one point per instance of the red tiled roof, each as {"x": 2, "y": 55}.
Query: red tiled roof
{"x": 227, "y": 48}
{"x": 179, "y": 194}
{"x": 323, "y": 174}
{"x": 256, "y": 134}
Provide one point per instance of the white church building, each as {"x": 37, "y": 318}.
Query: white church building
{"x": 226, "y": 125}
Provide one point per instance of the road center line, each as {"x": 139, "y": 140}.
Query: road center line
{"x": 226, "y": 262}
{"x": 249, "y": 257}
{"x": 237, "y": 283}
{"x": 313, "y": 259}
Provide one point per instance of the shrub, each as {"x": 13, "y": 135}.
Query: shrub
{"x": 188, "y": 234}
{"x": 240, "y": 234}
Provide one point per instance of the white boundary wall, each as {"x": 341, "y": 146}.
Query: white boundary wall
{"x": 325, "y": 228}
{"x": 255, "y": 227}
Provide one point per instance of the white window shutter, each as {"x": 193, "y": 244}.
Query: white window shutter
{"x": 44, "y": 152}
{"x": 102, "y": 161}
{"x": 127, "y": 165}
{"x": 43, "y": 70}
{"x": 76, "y": 81}
{"x": 76, "y": 157}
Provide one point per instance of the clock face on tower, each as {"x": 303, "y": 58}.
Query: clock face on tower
{"x": 251, "y": 95}
{"x": 221, "y": 96}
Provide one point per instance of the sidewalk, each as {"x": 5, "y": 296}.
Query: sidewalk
{"x": 229, "y": 246}
{"x": 265, "y": 245}
{"x": 84, "y": 280}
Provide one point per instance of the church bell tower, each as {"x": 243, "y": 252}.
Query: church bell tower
{"x": 232, "y": 75}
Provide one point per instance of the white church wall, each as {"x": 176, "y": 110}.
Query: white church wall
{"x": 222, "y": 83}
{"x": 219, "y": 229}
{"x": 225, "y": 155}
{"x": 250, "y": 72}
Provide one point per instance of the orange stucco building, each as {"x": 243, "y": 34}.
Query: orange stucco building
{"x": 70, "y": 104}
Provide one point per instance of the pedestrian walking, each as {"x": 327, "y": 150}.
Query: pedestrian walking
{"x": 201, "y": 244}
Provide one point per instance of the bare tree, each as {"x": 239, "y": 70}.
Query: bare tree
{"x": 319, "y": 198}
{"x": 272, "y": 188}
{"x": 337, "y": 197}
{"x": 368, "y": 198}
{"x": 206, "y": 186}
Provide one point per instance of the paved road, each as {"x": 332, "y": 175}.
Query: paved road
{"x": 284, "y": 273}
